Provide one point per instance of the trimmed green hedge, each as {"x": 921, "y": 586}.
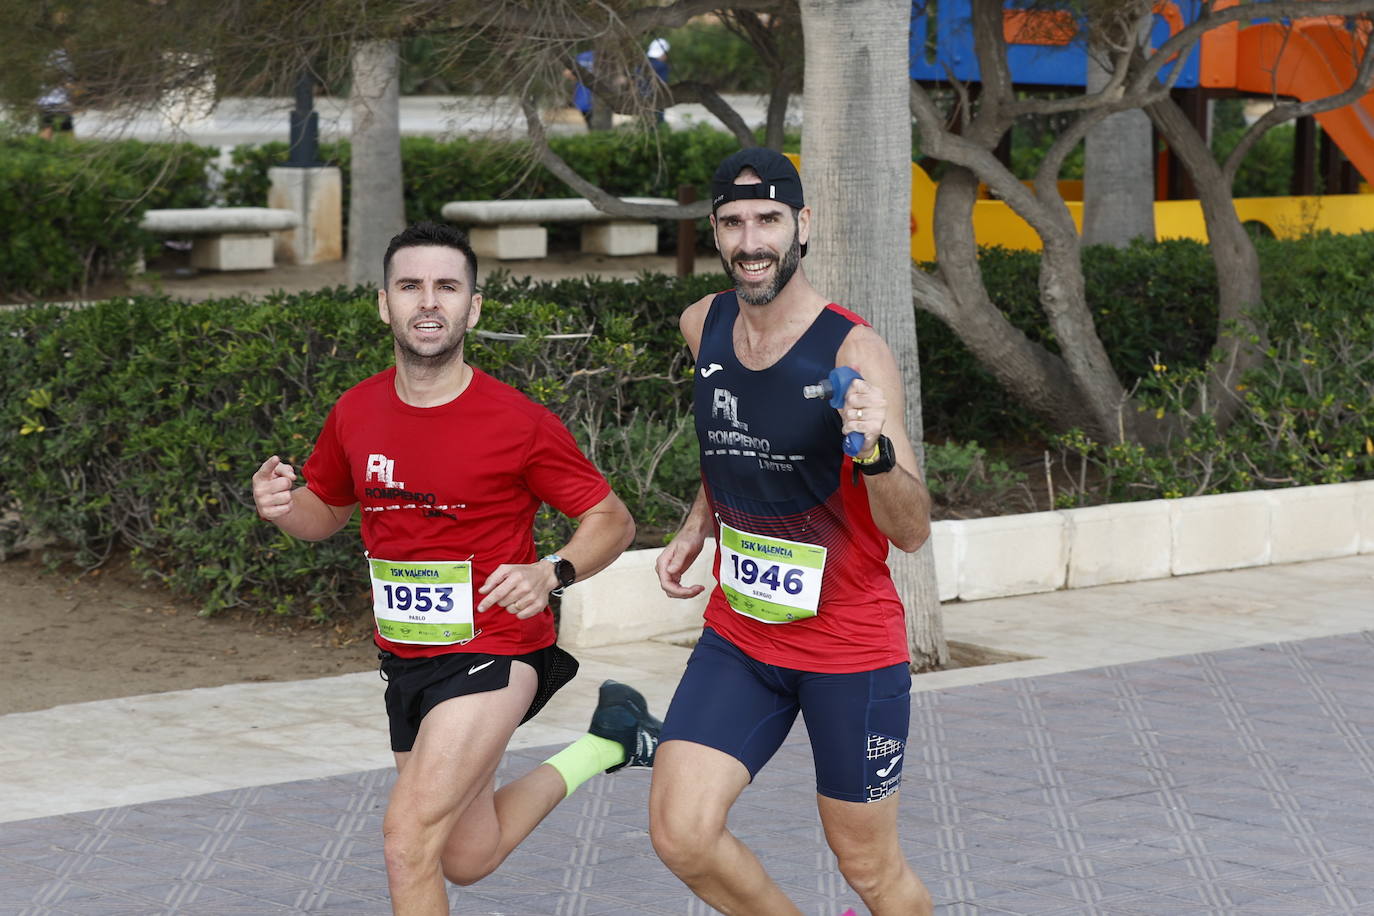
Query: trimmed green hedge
{"x": 1306, "y": 416}
{"x": 1151, "y": 298}
{"x": 71, "y": 208}
{"x": 138, "y": 422}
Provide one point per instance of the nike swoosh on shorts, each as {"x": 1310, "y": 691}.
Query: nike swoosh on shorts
{"x": 476, "y": 668}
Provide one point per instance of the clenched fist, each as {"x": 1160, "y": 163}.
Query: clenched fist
{"x": 272, "y": 485}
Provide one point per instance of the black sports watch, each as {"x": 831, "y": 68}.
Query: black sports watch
{"x": 880, "y": 463}
{"x": 563, "y": 570}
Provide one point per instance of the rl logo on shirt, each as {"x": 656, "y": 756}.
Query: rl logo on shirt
{"x": 383, "y": 470}
{"x": 724, "y": 404}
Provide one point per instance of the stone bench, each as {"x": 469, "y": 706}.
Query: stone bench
{"x": 506, "y": 229}
{"x": 224, "y": 238}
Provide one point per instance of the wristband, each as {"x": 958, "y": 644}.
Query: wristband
{"x": 882, "y": 460}
{"x": 874, "y": 455}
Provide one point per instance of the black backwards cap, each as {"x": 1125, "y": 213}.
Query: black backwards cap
{"x": 780, "y": 179}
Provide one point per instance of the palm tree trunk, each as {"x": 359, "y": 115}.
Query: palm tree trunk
{"x": 857, "y": 160}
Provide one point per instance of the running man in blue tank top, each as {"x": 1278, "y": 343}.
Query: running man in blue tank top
{"x": 806, "y": 617}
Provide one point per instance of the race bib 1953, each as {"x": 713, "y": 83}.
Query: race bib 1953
{"x": 423, "y": 602}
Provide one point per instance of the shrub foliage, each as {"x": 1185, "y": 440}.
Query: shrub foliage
{"x": 71, "y": 209}
{"x": 138, "y": 422}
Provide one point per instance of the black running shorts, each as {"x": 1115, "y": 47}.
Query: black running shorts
{"x": 417, "y": 685}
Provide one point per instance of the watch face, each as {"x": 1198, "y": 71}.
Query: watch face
{"x": 563, "y": 569}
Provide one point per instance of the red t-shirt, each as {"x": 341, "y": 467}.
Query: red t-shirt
{"x": 455, "y": 482}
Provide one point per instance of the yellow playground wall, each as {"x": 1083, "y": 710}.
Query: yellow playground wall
{"x": 994, "y": 223}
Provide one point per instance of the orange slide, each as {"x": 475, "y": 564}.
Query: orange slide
{"x": 1314, "y": 58}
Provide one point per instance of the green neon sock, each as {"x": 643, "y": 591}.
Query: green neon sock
{"x": 584, "y": 758}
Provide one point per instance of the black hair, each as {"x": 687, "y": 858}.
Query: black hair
{"x": 429, "y": 233}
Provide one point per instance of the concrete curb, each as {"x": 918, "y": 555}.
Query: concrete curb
{"x": 1008, "y": 555}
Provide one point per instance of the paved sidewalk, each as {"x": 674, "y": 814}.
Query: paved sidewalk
{"x": 1116, "y": 774}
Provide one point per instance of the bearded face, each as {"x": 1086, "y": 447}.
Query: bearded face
{"x": 757, "y": 249}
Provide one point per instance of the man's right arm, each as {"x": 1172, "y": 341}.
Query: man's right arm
{"x": 295, "y": 510}
{"x": 683, "y": 550}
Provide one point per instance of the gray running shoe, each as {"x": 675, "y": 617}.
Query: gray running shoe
{"x": 622, "y": 715}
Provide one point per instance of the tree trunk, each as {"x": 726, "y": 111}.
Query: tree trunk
{"x": 1077, "y": 387}
{"x": 856, "y": 62}
{"x": 1036, "y": 377}
{"x": 1240, "y": 339}
{"x": 776, "y": 125}
{"x": 1064, "y": 299}
{"x": 603, "y": 109}
{"x": 1118, "y": 172}
{"x": 376, "y": 208}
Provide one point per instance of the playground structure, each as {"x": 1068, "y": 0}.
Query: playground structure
{"x": 1304, "y": 59}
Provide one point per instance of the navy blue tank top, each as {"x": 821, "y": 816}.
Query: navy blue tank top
{"x": 773, "y": 465}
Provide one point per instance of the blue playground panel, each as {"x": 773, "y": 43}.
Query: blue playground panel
{"x": 1031, "y": 64}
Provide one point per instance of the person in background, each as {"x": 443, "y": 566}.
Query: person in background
{"x": 582, "y": 96}
{"x": 658, "y": 62}
{"x": 55, "y": 104}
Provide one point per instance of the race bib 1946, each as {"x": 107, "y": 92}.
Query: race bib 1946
{"x": 770, "y": 579}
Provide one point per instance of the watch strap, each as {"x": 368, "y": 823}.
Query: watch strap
{"x": 563, "y": 572}
{"x": 882, "y": 460}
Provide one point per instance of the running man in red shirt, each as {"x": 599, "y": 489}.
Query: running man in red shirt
{"x": 805, "y": 617}
{"x": 449, "y": 467}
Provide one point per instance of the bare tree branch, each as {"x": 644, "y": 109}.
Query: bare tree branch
{"x": 536, "y": 22}
{"x": 1181, "y": 42}
{"x": 940, "y": 143}
{"x": 688, "y": 91}
{"x": 767, "y": 36}
{"x": 990, "y": 45}
{"x": 932, "y": 294}
{"x": 1120, "y": 70}
{"x": 606, "y": 203}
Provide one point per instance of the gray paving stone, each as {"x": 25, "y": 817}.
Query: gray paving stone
{"x": 1231, "y": 782}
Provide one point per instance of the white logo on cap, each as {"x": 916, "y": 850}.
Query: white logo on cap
{"x": 772, "y": 192}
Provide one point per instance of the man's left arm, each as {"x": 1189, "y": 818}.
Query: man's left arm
{"x": 875, "y": 406}
{"x": 603, "y": 532}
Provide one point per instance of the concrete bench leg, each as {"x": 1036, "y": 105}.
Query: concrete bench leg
{"x": 236, "y": 251}
{"x": 511, "y": 241}
{"x": 620, "y": 237}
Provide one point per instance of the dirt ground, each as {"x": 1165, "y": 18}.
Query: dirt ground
{"x": 108, "y": 634}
